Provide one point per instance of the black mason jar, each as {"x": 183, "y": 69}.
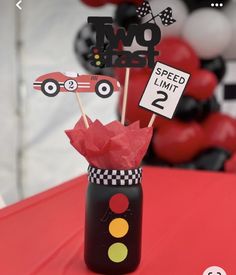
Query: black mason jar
{"x": 113, "y": 220}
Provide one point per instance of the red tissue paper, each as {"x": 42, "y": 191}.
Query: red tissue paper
{"x": 111, "y": 146}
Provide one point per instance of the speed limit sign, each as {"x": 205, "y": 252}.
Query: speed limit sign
{"x": 164, "y": 90}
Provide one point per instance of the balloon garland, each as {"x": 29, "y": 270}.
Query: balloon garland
{"x": 199, "y": 137}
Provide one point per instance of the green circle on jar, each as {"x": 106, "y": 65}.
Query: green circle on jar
{"x": 117, "y": 252}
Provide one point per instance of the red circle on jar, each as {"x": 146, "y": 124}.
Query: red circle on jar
{"x": 119, "y": 203}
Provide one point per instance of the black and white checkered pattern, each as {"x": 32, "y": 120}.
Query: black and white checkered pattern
{"x": 166, "y": 17}
{"x": 144, "y": 9}
{"x": 84, "y": 41}
{"x": 114, "y": 177}
{"x": 226, "y": 90}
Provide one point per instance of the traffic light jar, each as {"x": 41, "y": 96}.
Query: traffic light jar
{"x": 113, "y": 220}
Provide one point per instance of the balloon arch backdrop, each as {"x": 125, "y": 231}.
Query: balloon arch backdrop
{"x": 200, "y": 136}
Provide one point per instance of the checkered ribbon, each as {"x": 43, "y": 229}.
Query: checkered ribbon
{"x": 114, "y": 177}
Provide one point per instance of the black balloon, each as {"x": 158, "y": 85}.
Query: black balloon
{"x": 216, "y": 65}
{"x": 126, "y": 14}
{"x": 212, "y": 159}
{"x": 187, "y": 109}
{"x": 207, "y": 107}
{"x": 188, "y": 166}
{"x": 190, "y": 109}
{"x": 196, "y": 4}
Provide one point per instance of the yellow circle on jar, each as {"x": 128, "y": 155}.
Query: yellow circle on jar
{"x": 118, "y": 227}
{"x": 117, "y": 252}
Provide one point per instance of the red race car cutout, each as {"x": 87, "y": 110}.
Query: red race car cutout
{"x": 53, "y": 83}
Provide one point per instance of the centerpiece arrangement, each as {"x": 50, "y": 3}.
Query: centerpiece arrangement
{"x": 114, "y": 197}
{"x": 113, "y": 224}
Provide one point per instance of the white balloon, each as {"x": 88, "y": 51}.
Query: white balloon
{"x": 180, "y": 14}
{"x": 230, "y": 12}
{"x": 208, "y": 31}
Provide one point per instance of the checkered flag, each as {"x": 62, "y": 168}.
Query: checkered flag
{"x": 166, "y": 17}
{"x": 144, "y": 9}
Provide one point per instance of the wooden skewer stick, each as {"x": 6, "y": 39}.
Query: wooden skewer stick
{"x": 152, "y": 120}
{"x": 82, "y": 110}
{"x": 124, "y": 104}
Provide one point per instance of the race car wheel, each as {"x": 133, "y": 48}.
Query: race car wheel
{"x": 104, "y": 88}
{"x": 50, "y": 87}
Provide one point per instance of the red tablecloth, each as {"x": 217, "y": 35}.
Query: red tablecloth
{"x": 189, "y": 224}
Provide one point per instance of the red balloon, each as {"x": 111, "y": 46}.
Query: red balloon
{"x": 93, "y": 3}
{"x": 137, "y": 84}
{"x": 201, "y": 85}
{"x": 178, "y": 53}
{"x": 220, "y": 131}
{"x": 178, "y": 142}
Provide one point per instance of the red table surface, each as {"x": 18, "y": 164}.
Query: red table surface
{"x": 189, "y": 224}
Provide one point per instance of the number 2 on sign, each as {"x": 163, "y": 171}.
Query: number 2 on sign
{"x": 162, "y": 99}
